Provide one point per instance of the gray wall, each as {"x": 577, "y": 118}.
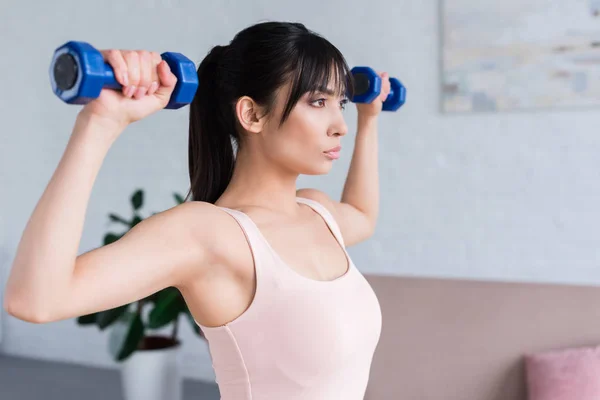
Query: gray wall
{"x": 509, "y": 196}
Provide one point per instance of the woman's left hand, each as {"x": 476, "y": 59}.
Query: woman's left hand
{"x": 374, "y": 108}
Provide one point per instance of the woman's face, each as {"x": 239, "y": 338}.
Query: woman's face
{"x": 315, "y": 125}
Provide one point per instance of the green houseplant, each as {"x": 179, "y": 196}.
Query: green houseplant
{"x": 130, "y": 327}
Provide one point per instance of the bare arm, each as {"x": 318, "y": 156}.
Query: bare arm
{"x": 49, "y": 282}
{"x": 361, "y": 189}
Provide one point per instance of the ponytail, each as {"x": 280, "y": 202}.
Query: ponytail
{"x": 211, "y": 130}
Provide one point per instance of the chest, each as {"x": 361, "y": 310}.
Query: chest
{"x": 332, "y": 328}
{"x": 310, "y": 249}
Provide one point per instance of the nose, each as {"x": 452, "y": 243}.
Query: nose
{"x": 338, "y": 126}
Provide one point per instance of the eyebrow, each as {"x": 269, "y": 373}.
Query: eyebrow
{"x": 326, "y": 90}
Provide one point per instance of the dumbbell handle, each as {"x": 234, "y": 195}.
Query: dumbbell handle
{"x": 390, "y": 95}
{"x": 110, "y": 81}
{"x": 78, "y": 73}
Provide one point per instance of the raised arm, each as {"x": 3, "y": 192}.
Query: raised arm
{"x": 48, "y": 281}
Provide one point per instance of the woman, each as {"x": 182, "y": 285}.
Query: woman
{"x": 261, "y": 265}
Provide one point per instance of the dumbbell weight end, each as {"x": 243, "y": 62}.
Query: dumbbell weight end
{"x": 368, "y": 86}
{"x": 397, "y": 96}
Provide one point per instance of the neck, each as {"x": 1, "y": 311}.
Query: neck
{"x": 259, "y": 182}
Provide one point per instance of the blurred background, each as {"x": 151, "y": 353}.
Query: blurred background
{"x": 489, "y": 172}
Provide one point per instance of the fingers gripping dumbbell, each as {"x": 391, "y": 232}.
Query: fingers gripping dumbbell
{"x": 78, "y": 73}
{"x": 367, "y": 86}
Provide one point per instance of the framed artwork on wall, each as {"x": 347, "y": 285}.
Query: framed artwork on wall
{"x": 519, "y": 55}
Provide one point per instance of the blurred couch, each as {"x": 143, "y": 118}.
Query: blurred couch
{"x": 450, "y": 339}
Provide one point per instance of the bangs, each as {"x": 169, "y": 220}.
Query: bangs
{"x": 319, "y": 67}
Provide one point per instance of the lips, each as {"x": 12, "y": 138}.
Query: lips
{"x": 333, "y": 153}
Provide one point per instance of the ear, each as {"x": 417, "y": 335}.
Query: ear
{"x": 250, "y": 114}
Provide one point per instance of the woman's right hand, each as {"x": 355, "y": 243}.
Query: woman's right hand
{"x": 147, "y": 84}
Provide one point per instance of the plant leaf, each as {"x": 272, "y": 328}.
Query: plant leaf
{"x": 106, "y": 318}
{"x": 151, "y": 298}
{"x": 126, "y": 336}
{"x": 111, "y": 238}
{"x": 117, "y": 218}
{"x": 88, "y": 319}
{"x": 178, "y": 198}
{"x": 137, "y": 200}
{"x": 136, "y": 220}
{"x": 167, "y": 308}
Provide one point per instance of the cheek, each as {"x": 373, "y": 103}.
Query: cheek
{"x": 292, "y": 144}
{"x": 296, "y": 152}
{"x": 303, "y": 142}
{"x": 307, "y": 128}
{"x": 299, "y": 142}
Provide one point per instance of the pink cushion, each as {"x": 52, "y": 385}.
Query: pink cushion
{"x": 565, "y": 374}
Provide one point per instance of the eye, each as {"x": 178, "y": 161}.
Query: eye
{"x": 319, "y": 100}
{"x": 321, "y": 103}
{"x": 343, "y": 104}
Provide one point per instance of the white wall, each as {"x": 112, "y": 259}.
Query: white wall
{"x": 510, "y": 196}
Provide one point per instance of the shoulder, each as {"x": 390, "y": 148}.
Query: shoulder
{"x": 354, "y": 225}
{"x": 320, "y": 197}
{"x": 314, "y": 194}
{"x": 337, "y": 210}
{"x": 194, "y": 209}
{"x": 188, "y": 217}
{"x": 210, "y": 227}
{"x": 200, "y": 219}
{"x": 199, "y": 224}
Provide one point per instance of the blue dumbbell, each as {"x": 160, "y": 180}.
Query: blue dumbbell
{"x": 367, "y": 86}
{"x": 78, "y": 73}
